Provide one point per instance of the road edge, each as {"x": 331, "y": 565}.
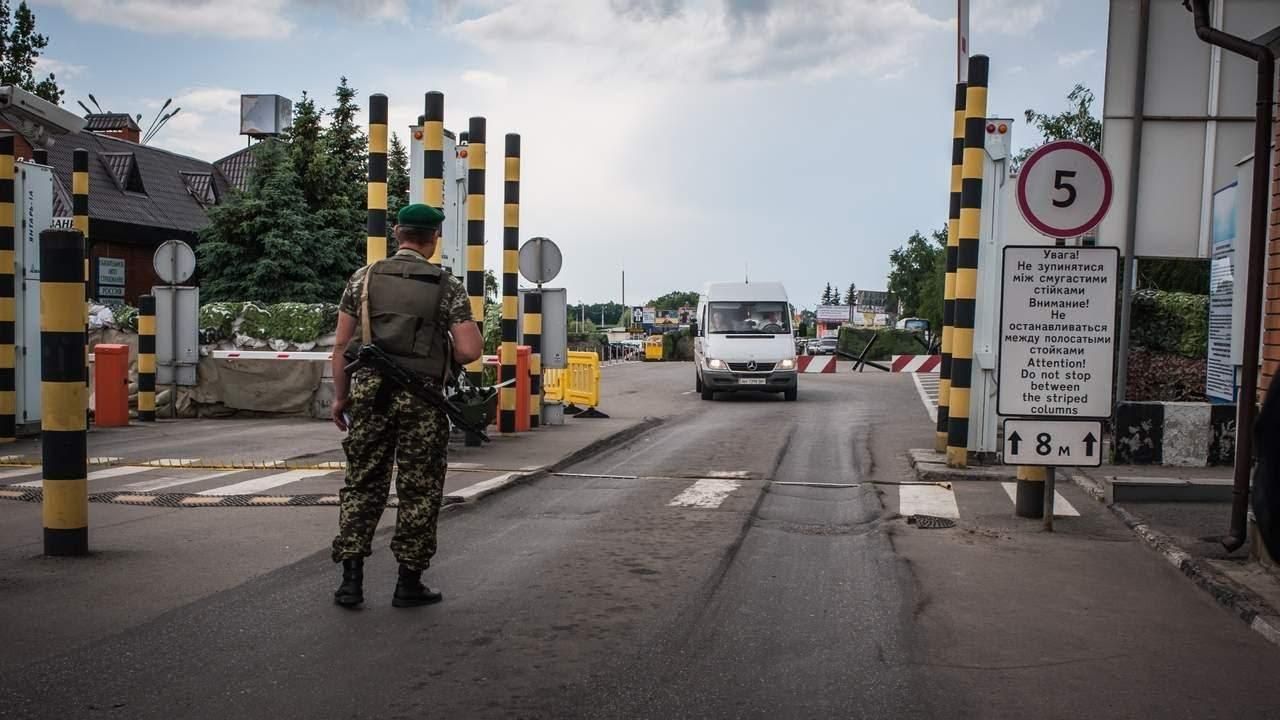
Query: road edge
{"x": 486, "y": 488}
{"x": 1243, "y": 603}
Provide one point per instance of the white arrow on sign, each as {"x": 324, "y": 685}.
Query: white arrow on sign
{"x": 1064, "y": 189}
{"x": 1053, "y": 442}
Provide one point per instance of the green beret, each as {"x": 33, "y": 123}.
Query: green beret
{"x": 419, "y": 215}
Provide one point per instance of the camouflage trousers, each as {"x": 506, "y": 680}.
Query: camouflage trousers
{"x": 414, "y": 436}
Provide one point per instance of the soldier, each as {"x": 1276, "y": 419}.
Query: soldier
{"x": 407, "y": 307}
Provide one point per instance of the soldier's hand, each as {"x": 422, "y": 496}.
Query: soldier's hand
{"x": 339, "y": 414}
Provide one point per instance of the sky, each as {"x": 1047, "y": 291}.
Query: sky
{"x": 683, "y": 141}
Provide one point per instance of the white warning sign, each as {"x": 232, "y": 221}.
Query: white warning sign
{"x": 1057, "y": 331}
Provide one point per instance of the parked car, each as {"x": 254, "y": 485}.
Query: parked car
{"x": 824, "y": 346}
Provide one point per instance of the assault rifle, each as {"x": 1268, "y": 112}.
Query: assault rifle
{"x": 372, "y": 357}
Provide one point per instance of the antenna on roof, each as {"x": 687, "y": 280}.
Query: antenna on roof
{"x": 746, "y": 272}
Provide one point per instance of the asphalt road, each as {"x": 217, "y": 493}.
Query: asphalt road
{"x": 678, "y": 576}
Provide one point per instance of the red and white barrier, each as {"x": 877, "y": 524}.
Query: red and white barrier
{"x": 916, "y": 363}
{"x": 816, "y": 364}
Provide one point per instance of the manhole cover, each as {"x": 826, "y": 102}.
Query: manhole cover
{"x": 930, "y": 522}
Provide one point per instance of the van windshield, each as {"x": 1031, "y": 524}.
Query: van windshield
{"x": 764, "y": 318}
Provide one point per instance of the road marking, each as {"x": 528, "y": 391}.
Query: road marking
{"x": 1061, "y": 507}
{"x": 266, "y": 482}
{"x": 927, "y": 500}
{"x": 706, "y": 493}
{"x": 95, "y": 475}
{"x": 18, "y": 472}
{"x": 168, "y": 482}
{"x": 930, "y": 400}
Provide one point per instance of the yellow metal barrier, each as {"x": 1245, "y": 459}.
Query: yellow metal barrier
{"x": 653, "y": 348}
{"x": 578, "y": 384}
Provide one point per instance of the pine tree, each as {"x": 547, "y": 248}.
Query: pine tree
{"x": 310, "y": 163}
{"x": 264, "y": 245}
{"x": 20, "y": 48}
{"x": 827, "y": 295}
{"x": 851, "y": 296}
{"x": 343, "y": 212}
{"x": 397, "y": 185}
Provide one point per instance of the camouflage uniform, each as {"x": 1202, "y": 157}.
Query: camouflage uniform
{"x": 412, "y": 434}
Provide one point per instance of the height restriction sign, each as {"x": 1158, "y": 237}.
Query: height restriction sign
{"x": 1064, "y": 189}
{"x": 1057, "y": 331}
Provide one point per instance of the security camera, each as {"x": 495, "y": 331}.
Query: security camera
{"x": 36, "y": 118}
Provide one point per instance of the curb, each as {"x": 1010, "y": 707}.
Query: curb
{"x": 1242, "y": 602}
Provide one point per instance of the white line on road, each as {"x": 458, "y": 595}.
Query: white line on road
{"x": 471, "y": 492}
{"x": 706, "y": 493}
{"x": 266, "y": 482}
{"x": 930, "y": 405}
{"x": 18, "y": 472}
{"x": 95, "y": 475}
{"x": 168, "y": 482}
{"x": 927, "y": 500}
{"x": 1061, "y": 507}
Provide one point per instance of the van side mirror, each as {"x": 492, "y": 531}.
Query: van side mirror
{"x": 694, "y": 330}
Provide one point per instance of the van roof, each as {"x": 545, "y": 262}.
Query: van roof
{"x": 744, "y": 291}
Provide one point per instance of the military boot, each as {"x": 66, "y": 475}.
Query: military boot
{"x": 351, "y": 592}
{"x": 410, "y": 592}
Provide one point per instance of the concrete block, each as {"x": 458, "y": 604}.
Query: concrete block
{"x": 322, "y": 401}
{"x": 1139, "y": 433}
{"x": 1187, "y": 434}
{"x": 1222, "y": 440}
{"x": 1163, "y": 489}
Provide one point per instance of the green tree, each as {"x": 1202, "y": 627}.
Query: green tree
{"x": 343, "y": 212}
{"x": 851, "y": 295}
{"x": 397, "y": 185}
{"x": 675, "y": 300}
{"x": 827, "y": 293}
{"x": 1077, "y": 122}
{"x": 310, "y": 163}
{"x": 490, "y": 288}
{"x": 20, "y": 48}
{"x": 913, "y": 269}
{"x": 264, "y": 245}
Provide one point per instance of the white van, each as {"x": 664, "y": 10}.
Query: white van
{"x": 745, "y": 340}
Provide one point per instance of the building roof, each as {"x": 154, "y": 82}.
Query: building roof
{"x": 138, "y": 184}
{"x": 102, "y": 122}
{"x": 236, "y": 167}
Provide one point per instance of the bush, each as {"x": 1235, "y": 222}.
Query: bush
{"x": 217, "y": 320}
{"x": 890, "y": 341}
{"x": 1171, "y": 322}
{"x": 1169, "y": 377}
{"x": 125, "y": 317}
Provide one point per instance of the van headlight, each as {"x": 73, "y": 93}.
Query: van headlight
{"x": 788, "y": 364}
{"x": 715, "y": 364}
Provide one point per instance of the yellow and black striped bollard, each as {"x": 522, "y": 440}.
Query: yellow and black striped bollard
{"x": 475, "y": 231}
{"x": 62, "y": 393}
{"x": 376, "y": 242}
{"x": 433, "y": 159}
{"x": 953, "y": 247}
{"x": 510, "y": 291}
{"x": 970, "y": 225}
{"x": 147, "y": 358}
{"x": 8, "y": 316}
{"x": 533, "y": 338}
{"x": 80, "y": 221}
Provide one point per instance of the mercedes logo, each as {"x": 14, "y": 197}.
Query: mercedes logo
{"x": 751, "y": 366}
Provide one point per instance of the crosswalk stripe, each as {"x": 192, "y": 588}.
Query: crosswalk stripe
{"x": 168, "y": 482}
{"x": 95, "y": 475}
{"x": 257, "y": 485}
{"x": 927, "y": 500}
{"x": 1061, "y": 506}
{"x": 707, "y": 493}
{"x": 18, "y": 472}
{"x": 930, "y": 401}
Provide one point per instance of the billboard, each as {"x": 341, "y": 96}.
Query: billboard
{"x": 833, "y": 313}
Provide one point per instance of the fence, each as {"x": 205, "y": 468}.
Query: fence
{"x": 577, "y": 384}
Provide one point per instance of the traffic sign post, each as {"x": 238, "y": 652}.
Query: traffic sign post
{"x": 1057, "y": 324}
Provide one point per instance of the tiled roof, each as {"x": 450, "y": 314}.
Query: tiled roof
{"x": 99, "y": 122}
{"x": 236, "y": 167}
{"x": 200, "y": 185}
{"x": 165, "y": 199}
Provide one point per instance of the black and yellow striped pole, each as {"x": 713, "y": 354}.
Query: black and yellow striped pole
{"x": 80, "y": 221}
{"x": 62, "y": 393}
{"x": 966, "y": 283}
{"x": 533, "y": 338}
{"x": 953, "y": 246}
{"x": 510, "y": 291}
{"x": 147, "y": 358}
{"x": 375, "y": 248}
{"x": 433, "y": 159}
{"x": 8, "y": 312}
{"x": 475, "y": 231}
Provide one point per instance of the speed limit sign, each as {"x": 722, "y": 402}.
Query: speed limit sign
{"x": 1064, "y": 189}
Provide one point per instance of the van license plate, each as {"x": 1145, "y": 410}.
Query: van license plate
{"x": 752, "y": 381}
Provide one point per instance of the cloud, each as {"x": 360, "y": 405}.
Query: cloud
{"x": 208, "y": 125}
{"x": 1010, "y": 17}
{"x": 735, "y": 40}
{"x": 239, "y": 19}
{"x": 45, "y": 64}
{"x": 485, "y": 79}
{"x": 1072, "y": 59}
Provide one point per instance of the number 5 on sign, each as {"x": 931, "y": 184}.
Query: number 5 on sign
{"x": 1064, "y": 189}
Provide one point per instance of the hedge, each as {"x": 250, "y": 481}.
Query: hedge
{"x": 1171, "y": 322}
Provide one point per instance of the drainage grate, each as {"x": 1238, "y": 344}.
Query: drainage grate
{"x": 930, "y": 522}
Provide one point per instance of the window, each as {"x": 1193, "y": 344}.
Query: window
{"x": 760, "y": 318}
